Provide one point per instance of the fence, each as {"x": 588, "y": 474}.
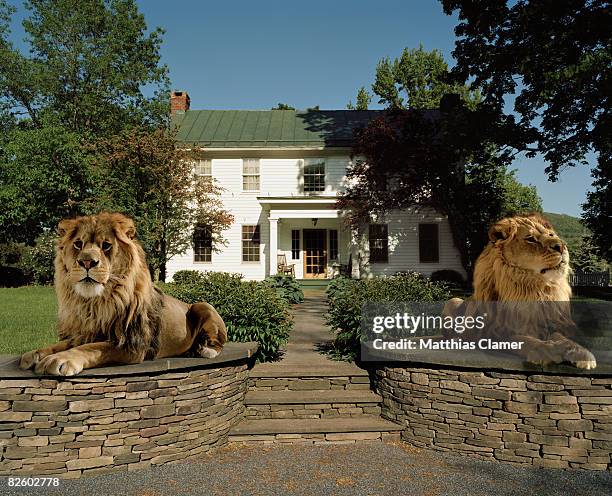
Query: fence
{"x": 600, "y": 279}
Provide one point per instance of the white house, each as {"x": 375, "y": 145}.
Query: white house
{"x": 281, "y": 171}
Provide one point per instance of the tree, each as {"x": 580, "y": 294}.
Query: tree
{"x": 418, "y": 79}
{"x": 557, "y": 58}
{"x": 434, "y": 148}
{"x": 44, "y": 177}
{"x": 283, "y": 106}
{"x": 89, "y": 62}
{"x": 84, "y": 78}
{"x": 518, "y": 198}
{"x": 146, "y": 175}
{"x": 363, "y": 100}
{"x": 584, "y": 258}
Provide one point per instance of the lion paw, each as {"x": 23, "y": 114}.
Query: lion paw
{"x": 581, "y": 358}
{"x": 29, "y": 359}
{"x": 206, "y": 352}
{"x": 59, "y": 364}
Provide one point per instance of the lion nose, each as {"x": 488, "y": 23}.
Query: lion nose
{"x": 88, "y": 264}
{"x": 558, "y": 247}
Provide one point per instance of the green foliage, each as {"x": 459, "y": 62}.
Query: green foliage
{"x": 518, "y": 198}
{"x": 338, "y": 286}
{"x": 363, "y": 100}
{"x": 38, "y": 260}
{"x": 251, "y": 311}
{"x": 283, "y": 106}
{"x": 449, "y": 276}
{"x": 287, "y": 287}
{"x": 418, "y": 79}
{"x": 44, "y": 177}
{"x": 347, "y": 298}
{"x": 585, "y": 257}
{"x": 146, "y": 175}
{"x": 555, "y": 62}
{"x": 87, "y": 66}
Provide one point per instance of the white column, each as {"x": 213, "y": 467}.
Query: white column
{"x": 273, "y": 246}
{"x": 355, "y": 253}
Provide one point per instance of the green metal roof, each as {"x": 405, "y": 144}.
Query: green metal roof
{"x": 271, "y": 128}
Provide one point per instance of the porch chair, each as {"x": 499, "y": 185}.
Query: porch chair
{"x": 282, "y": 266}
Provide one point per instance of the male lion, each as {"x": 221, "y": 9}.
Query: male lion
{"x": 524, "y": 272}
{"x": 109, "y": 310}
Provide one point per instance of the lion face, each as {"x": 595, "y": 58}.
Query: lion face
{"x": 92, "y": 251}
{"x": 530, "y": 243}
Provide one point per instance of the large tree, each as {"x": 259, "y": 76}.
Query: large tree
{"x": 146, "y": 175}
{"x": 434, "y": 147}
{"x": 88, "y": 64}
{"x": 556, "y": 57}
{"x": 86, "y": 75}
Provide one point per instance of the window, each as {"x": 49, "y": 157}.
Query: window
{"x": 379, "y": 243}
{"x": 314, "y": 176}
{"x": 295, "y": 244}
{"x": 429, "y": 243}
{"x": 203, "y": 168}
{"x": 250, "y": 243}
{"x": 333, "y": 244}
{"x": 202, "y": 244}
{"x": 250, "y": 174}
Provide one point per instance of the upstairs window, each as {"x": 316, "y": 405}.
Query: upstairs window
{"x": 295, "y": 244}
{"x": 314, "y": 176}
{"x": 429, "y": 243}
{"x": 250, "y": 174}
{"x": 250, "y": 243}
{"x": 203, "y": 169}
{"x": 378, "y": 237}
{"x": 202, "y": 244}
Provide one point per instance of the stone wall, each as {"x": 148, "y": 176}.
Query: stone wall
{"x": 89, "y": 425}
{"x": 535, "y": 419}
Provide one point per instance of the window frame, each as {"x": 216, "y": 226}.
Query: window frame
{"x": 247, "y": 174}
{"x": 207, "y": 256}
{"x": 206, "y": 176}
{"x": 432, "y": 255}
{"x": 295, "y": 244}
{"x": 310, "y": 162}
{"x": 254, "y": 243}
{"x": 376, "y": 254}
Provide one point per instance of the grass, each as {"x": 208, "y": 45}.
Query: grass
{"x": 27, "y": 318}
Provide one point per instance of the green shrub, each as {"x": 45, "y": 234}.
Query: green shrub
{"x": 452, "y": 277}
{"x": 348, "y": 297}
{"x": 337, "y": 286}
{"x": 251, "y": 311}
{"x": 37, "y": 260}
{"x": 287, "y": 287}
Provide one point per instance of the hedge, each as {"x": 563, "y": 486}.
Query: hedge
{"x": 251, "y": 311}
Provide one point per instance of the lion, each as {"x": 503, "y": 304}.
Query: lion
{"x": 109, "y": 311}
{"x": 521, "y": 280}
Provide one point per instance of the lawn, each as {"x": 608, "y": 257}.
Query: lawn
{"x": 27, "y": 318}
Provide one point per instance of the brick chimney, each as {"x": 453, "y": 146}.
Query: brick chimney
{"x": 179, "y": 102}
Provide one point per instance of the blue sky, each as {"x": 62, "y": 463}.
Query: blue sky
{"x": 255, "y": 54}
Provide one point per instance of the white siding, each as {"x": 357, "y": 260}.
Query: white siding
{"x": 282, "y": 177}
{"x": 404, "y": 245}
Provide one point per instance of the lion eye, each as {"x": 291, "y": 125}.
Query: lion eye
{"x": 78, "y": 245}
{"x": 106, "y": 246}
{"x": 531, "y": 239}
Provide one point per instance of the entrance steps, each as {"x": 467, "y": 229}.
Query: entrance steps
{"x": 322, "y": 404}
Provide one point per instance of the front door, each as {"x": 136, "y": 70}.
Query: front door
{"x": 315, "y": 253}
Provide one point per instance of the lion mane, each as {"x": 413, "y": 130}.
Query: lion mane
{"x": 109, "y": 311}
{"x": 521, "y": 283}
